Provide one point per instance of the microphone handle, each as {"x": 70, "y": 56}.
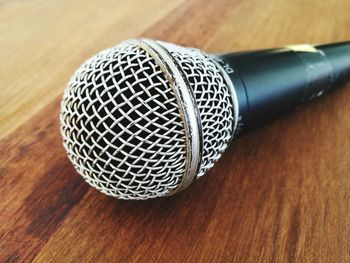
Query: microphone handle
{"x": 269, "y": 83}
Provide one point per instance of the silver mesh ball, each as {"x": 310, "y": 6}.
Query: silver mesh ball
{"x": 123, "y": 125}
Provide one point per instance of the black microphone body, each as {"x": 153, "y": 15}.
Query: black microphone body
{"x": 269, "y": 83}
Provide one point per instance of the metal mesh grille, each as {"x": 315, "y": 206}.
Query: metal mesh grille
{"x": 121, "y": 125}
{"x": 213, "y": 101}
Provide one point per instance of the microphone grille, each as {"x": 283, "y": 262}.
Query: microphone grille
{"x": 122, "y": 125}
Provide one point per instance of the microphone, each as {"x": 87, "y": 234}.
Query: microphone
{"x": 145, "y": 118}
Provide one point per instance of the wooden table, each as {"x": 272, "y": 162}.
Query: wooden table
{"x": 280, "y": 194}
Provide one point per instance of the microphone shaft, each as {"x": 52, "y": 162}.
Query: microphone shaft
{"x": 269, "y": 83}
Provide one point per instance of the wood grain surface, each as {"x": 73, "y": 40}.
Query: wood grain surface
{"x": 280, "y": 194}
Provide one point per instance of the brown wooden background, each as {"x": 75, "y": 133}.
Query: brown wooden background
{"x": 280, "y": 194}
